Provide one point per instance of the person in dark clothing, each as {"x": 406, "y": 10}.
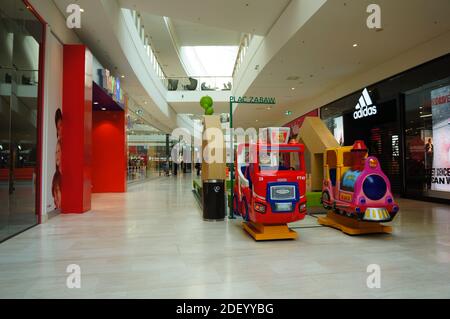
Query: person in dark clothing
{"x": 198, "y": 168}
{"x": 175, "y": 168}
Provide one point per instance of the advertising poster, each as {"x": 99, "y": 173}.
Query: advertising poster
{"x": 440, "y": 174}
{"x": 52, "y": 174}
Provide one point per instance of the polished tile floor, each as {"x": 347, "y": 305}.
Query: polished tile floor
{"x": 152, "y": 243}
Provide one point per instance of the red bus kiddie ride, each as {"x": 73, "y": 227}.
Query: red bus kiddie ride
{"x": 270, "y": 183}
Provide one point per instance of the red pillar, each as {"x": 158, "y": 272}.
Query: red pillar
{"x": 108, "y": 152}
{"x": 77, "y": 130}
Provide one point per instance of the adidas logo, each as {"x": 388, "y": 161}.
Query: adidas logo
{"x": 365, "y": 106}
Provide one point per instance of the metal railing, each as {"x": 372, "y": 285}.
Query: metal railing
{"x": 199, "y": 83}
{"x": 243, "y": 48}
{"x": 147, "y": 46}
{"x": 19, "y": 76}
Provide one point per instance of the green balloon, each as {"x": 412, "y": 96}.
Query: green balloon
{"x": 209, "y": 111}
{"x": 206, "y": 102}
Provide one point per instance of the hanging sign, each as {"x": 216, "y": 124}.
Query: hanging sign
{"x": 252, "y": 100}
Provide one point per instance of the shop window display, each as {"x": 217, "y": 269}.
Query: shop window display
{"x": 427, "y": 130}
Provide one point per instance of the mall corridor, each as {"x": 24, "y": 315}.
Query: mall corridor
{"x": 151, "y": 242}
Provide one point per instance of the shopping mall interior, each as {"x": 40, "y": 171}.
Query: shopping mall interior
{"x": 251, "y": 149}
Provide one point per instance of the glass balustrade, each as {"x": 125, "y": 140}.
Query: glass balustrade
{"x": 199, "y": 83}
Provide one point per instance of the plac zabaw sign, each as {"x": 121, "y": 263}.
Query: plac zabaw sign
{"x": 252, "y": 100}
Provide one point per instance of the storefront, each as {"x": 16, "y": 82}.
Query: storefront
{"x": 22, "y": 39}
{"x": 148, "y": 148}
{"x": 405, "y": 121}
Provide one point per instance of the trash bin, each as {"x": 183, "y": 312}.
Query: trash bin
{"x": 213, "y": 199}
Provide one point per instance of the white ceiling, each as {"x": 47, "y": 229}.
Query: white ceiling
{"x": 322, "y": 55}
{"x": 250, "y": 16}
{"x": 162, "y": 44}
{"x": 186, "y": 34}
{"x": 195, "y": 34}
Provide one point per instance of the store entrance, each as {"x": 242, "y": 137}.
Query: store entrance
{"x": 381, "y": 134}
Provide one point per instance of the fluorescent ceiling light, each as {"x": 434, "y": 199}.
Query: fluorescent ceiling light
{"x": 426, "y": 115}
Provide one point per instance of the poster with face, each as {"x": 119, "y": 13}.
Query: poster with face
{"x": 51, "y": 161}
{"x": 56, "y": 181}
{"x": 440, "y": 174}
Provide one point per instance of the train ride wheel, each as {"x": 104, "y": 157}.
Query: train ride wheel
{"x": 325, "y": 198}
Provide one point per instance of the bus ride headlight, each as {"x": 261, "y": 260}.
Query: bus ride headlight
{"x": 302, "y": 207}
{"x": 260, "y": 208}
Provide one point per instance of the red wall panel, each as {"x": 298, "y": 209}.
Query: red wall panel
{"x": 77, "y": 130}
{"x": 108, "y": 152}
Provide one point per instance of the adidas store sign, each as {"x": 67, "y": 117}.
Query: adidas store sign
{"x": 365, "y": 107}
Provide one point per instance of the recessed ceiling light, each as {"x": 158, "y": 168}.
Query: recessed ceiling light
{"x": 82, "y": 10}
{"x": 122, "y": 76}
{"x": 103, "y": 108}
{"x": 96, "y": 103}
{"x": 355, "y": 45}
{"x": 292, "y": 89}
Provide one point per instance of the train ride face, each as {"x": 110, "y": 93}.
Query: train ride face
{"x": 355, "y": 186}
{"x": 270, "y": 183}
